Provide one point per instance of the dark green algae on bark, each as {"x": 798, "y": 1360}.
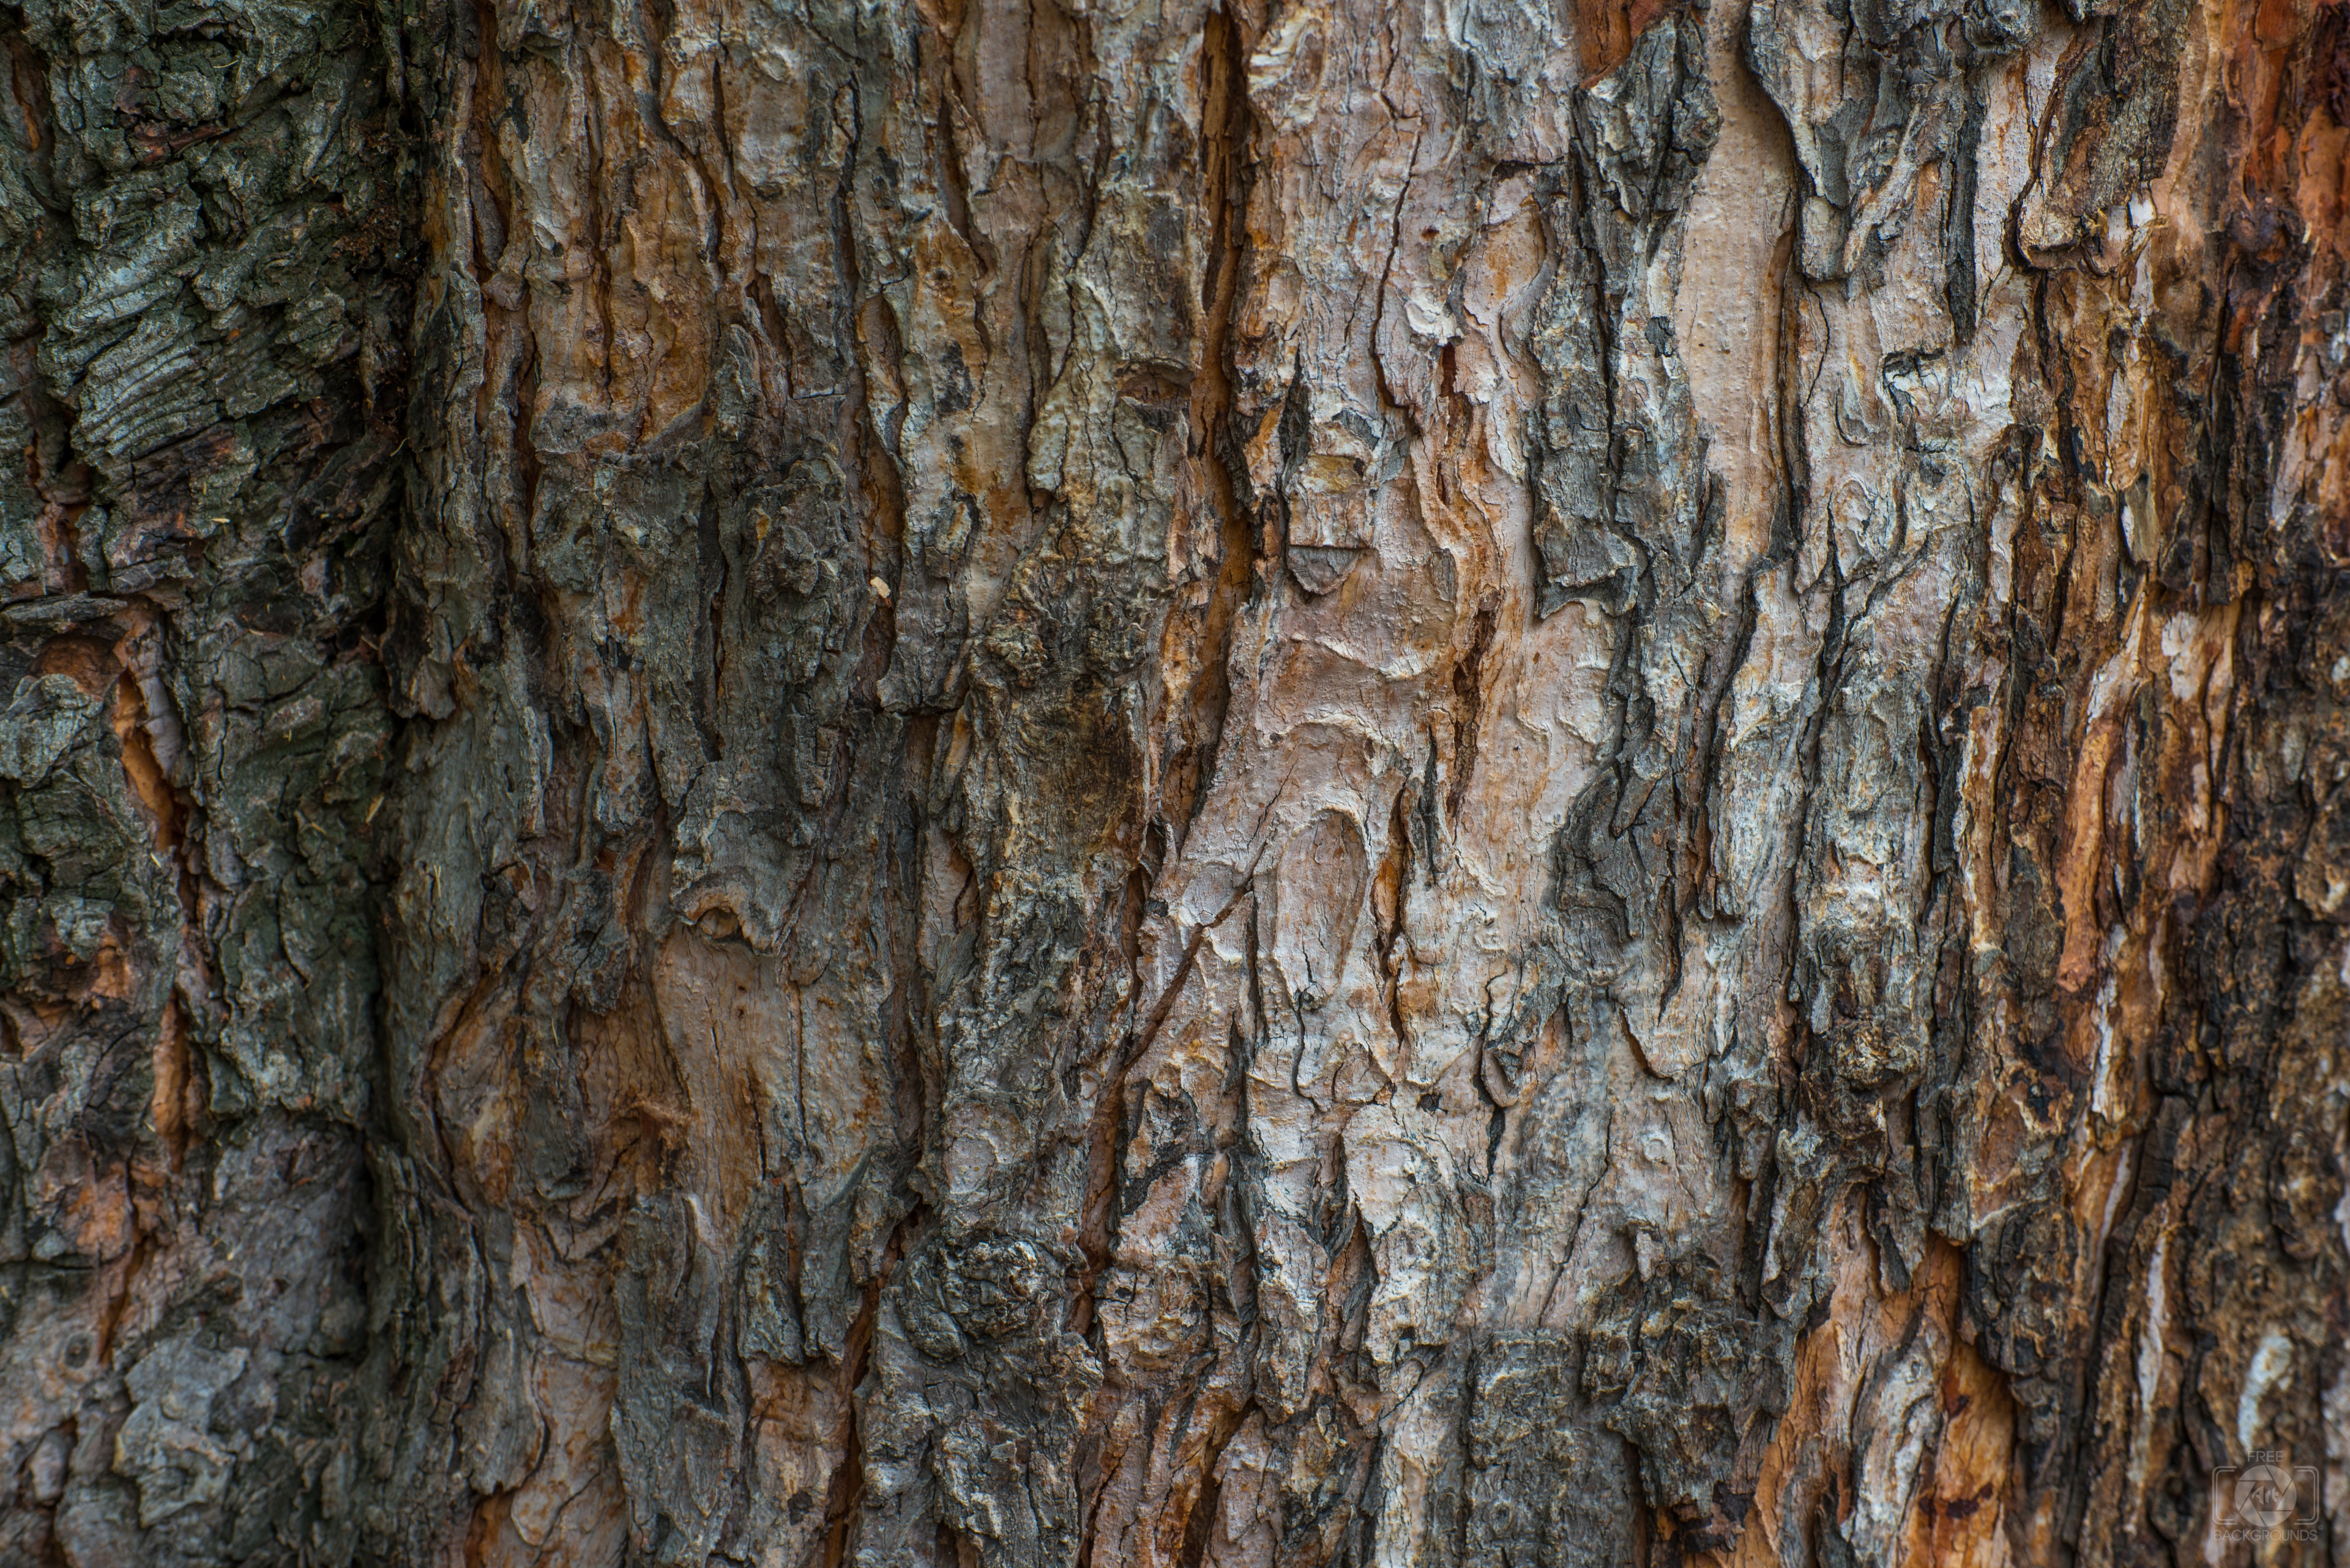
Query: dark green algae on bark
{"x": 207, "y": 253}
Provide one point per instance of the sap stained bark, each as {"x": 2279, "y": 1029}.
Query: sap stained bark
{"x": 1053, "y": 783}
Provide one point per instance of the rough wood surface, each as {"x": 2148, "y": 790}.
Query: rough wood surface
{"x": 1050, "y": 781}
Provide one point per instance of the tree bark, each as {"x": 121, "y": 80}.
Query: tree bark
{"x": 953, "y": 782}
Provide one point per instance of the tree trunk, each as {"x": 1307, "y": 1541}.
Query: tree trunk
{"x": 938, "y": 781}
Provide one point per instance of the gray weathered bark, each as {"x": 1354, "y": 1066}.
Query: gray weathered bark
{"x": 953, "y": 782}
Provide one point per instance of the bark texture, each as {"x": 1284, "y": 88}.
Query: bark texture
{"x": 1070, "y": 782}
